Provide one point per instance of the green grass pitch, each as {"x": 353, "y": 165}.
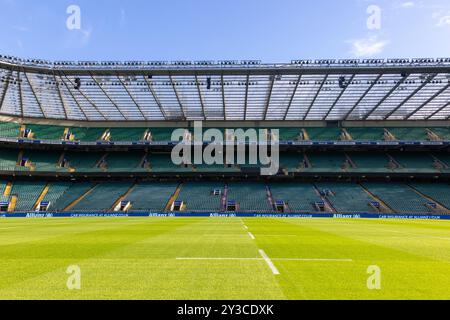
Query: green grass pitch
{"x": 220, "y": 258}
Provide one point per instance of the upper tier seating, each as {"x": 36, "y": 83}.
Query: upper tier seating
{"x": 417, "y": 161}
{"x": 9, "y": 129}
{"x": 83, "y": 161}
{"x": 45, "y": 132}
{"x": 324, "y": 134}
{"x": 87, "y": 134}
{"x": 44, "y": 160}
{"x": 369, "y": 162}
{"x": 160, "y": 134}
{"x": 127, "y": 134}
{"x": 366, "y": 134}
{"x": 443, "y": 133}
{"x": 411, "y": 134}
{"x": 124, "y": 161}
{"x": 326, "y": 162}
{"x": 8, "y": 160}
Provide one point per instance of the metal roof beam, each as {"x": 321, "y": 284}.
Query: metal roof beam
{"x": 20, "y": 94}
{"x": 131, "y": 97}
{"x": 398, "y": 84}
{"x": 155, "y": 97}
{"x": 84, "y": 96}
{"x": 34, "y": 95}
{"x": 315, "y": 97}
{"x": 5, "y": 88}
{"x": 339, "y": 97}
{"x": 177, "y": 96}
{"x": 60, "y": 95}
{"x": 438, "y": 110}
{"x": 200, "y": 97}
{"x": 427, "y": 81}
{"x": 263, "y": 69}
{"x": 223, "y": 97}
{"x": 427, "y": 102}
{"x": 375, "y": 82}
{"x": 246, "y": 96}
{"x": 109, "y": 98}
{"x": 268, "y": 97}
{"x": 74, "y": 99}
{"x": 292, "y": 97}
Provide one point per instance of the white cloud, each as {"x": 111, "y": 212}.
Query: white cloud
{"x": 442, "y": 18}
{"x": 367, "y": 47}
{"x": 408, "y": 4}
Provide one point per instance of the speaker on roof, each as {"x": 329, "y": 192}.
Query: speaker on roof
{"x": 77, "y": 83}
{"x": 208, "y": 83}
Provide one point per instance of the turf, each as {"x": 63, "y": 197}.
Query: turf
{"x": 134, "y": 258}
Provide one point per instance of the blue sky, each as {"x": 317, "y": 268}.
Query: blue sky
{"x": 272, "y": 31}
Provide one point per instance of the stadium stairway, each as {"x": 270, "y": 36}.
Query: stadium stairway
{"x": 41, "y": 196}
{"x": 439, "y": 206}
{"x": 122, "y": 198}
{"x": 173, "y": 198}
{"x": 80, "y": 198}
{"x": 384, "y": 208}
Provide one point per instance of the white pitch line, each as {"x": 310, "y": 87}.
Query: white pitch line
{"x": 219, "y": 259}
{"x": 251, "y": 236}
{"x": 269, "y": 262}
{"x": 313, "y": 259}
{"x": 245, "y": 227}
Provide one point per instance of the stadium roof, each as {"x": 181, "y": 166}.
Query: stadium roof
{"x": 303, "y": 90}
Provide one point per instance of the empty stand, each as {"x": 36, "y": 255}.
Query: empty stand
{"x": 299, "y": 197}
{"x": 366, "y": 134}
{"x": 9, "y": 129}
{"x": 199, "y": 197}
{"x": 323, "y": 134}
{"x": 73, "y": 193}
{"x": 103, "y": 197}
{"x": 348, "y": 197}
{"x": 400, "y": 198}
{"x": 436, "y": 191}
{"x": 411, "y": 134}
{"x": 151, "y": 197}
{"x": 250, "y": 197}
{"x": 27, "y": 193}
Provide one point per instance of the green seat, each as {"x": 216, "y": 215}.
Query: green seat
{"x": 151, "y": 197}
{"x": 9, "y": 129}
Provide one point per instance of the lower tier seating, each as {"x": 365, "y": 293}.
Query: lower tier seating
{"x": 212, "y": 197}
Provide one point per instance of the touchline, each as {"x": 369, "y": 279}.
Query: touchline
{"x": 263, "y": 148}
